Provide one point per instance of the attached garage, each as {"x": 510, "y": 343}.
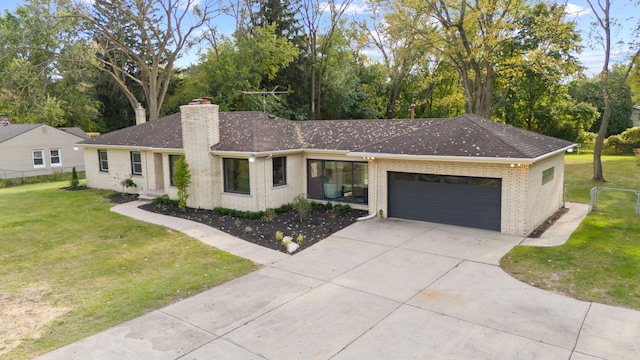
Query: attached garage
{"x": 455, "y": 200}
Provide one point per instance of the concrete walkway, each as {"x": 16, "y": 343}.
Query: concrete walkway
{"x": 379, "y": 289}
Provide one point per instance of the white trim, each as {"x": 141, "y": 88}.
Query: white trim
{"x": 468, "y": 159}
{"x": 33, "y": 159}
{"x": 59, "y": 163}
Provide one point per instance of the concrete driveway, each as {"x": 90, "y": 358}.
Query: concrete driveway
{"x": 379, "y": 289}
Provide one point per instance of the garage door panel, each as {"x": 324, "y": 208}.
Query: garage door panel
{"x": 455, "y": 200}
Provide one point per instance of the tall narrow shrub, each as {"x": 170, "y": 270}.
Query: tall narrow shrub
{"x": 74, "y": 178}
{"x": 182, "y": 179}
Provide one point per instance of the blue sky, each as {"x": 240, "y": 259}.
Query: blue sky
{"x": 591, "y": 58}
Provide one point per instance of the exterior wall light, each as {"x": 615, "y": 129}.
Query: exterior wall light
{"x": 252, "y": 158}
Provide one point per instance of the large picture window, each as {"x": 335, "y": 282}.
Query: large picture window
{"x": 279, "y": 171}
{"x": 344, "y": 181}
{"x": 38, "y": 158}
{"x": 172, "y": 163}
{"x": 54, "y": 156}
{"x": 136, "y": 163}
{"x": 236, "y": 175}
{"x": 103, "y": 160}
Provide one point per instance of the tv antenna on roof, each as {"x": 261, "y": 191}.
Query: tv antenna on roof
{"x": 264, "y": 95}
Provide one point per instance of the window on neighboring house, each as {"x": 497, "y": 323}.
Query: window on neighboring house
{"x": 547, "y": 175}
{"x": 54, "y": 155}
{"x": 279, "y": 171}
{"x": 172, "y": 163}
{"x": 236, "y": 175}
{"x": 104, "y": 162}
{"x": 38, "y": 158}
{"x": 136, "y": 163}
{"x": 345, "y": 181}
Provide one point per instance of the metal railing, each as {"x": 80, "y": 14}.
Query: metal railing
{"x": 22, "y": 174}
{"x": 611, "y": 198}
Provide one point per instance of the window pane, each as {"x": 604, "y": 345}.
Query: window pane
{"x": 279, "y": 171}
{"x": 236, "y": 175}
{"x": 38, "y": 158}
{"x": 104, "y": 162}
{"x": 456, "y": 180}
{"x": 484, "y": 182}
{"x": 404, "y": 177}
{"x": 429, "y": 178}
{"x": 55, "y": 157}
{"x": 345, "y": 181}
{"x": 136, "y": 163}
{"x": 172, "y": 163}
{"x": 547, "y": 175}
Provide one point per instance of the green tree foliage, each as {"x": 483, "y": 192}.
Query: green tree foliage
{"x": 44, "y": 67}
{"x": 182, "y": 180}
{"x": 590, "y": 91}
{"x": 491, "y": 42}
{"x": 138, "y": 42}
{"x": 230, "y": 68}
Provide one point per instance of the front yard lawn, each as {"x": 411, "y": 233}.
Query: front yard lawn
{"x": 70, "y": 268}
{"x": 601, "y": 260}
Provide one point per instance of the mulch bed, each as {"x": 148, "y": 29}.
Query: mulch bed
{"x": 547, "y": 223}
{"x": 317, "y": 226}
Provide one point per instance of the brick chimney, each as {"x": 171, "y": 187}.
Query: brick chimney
{"x": 200, "y": 131}
{"x": 141, "y": 115}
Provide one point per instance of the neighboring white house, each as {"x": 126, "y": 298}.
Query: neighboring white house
{"x": 466, "y": 171}
{"x": 635, "y": 115}
{"x": 37, "y": 149}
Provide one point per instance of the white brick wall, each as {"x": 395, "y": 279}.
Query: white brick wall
{"x": 200, "y": 131}
{"x": 119, "y": 169}
{"x": 545, "y": 199}
{"x": 518, "y": 190}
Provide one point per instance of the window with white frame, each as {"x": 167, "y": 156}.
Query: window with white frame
{"x": 54, "y": 157}
{"x": 38, "y": 158}
{"x": 136, "y": 163}
{"x": 103, "y": 160}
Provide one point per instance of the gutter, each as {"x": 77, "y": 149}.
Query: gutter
{"x": 493, "y": 160}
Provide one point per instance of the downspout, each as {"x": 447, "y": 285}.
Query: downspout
{"x": 372, "y": 214}
{"x": 266, "y": 181}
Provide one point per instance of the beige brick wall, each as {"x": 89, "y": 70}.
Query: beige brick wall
{"x": 545, "y": 199}
{"x": 119, "y": 169}
{"x": 263, "y": 194}
{"x": 514, "y": 186}
{"x": 200, "y": 131}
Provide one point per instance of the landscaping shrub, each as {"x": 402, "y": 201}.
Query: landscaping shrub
{"x": 182, "y": 179}
{"x": 74, "y": 179}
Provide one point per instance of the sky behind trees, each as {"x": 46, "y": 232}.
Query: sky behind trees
{"x": 591, "y": 57}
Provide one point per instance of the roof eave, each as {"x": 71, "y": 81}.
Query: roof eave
{"x": 128, "y": 147}
{"x": 467, "y": 159}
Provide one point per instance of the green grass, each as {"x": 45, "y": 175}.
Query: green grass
{"x": 601, "y": 260}
{"x": 102, "y": 267}
{"x": 621, "y": 172}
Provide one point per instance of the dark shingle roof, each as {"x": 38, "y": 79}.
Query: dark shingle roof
{"x": 164, "y": 133}
{"x": 12, "y": 130}
{"x": 467, "y": 135}
{"x": 76, "y": 131}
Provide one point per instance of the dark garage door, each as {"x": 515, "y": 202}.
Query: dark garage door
{"x": 455, "y": 200}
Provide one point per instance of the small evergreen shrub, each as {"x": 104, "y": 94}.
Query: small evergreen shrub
{"x": 74, "y": 179}
{"x": 182, "y": 179}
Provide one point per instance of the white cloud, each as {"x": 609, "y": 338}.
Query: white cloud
{"x": 576, "y": 10}
{"x": 353, "y": 8}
